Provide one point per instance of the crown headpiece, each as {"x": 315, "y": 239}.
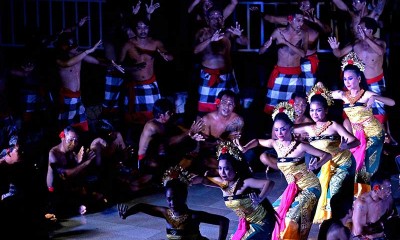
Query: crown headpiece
{"x": 227, "y": 147}
{"x": 353, "y": 59}
{"x": 324, "y": 92}
{"x": 176, "y": 172}
{"x": 286, "y": 108}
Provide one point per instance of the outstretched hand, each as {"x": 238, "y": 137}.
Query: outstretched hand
{"x": 313, "y": 164}
{"x": 98, "y": 44}
{"x": 333, "y": 42}
{"x": 122, "y": 210}
{"x": 164, "y": 55}
{"x": 135, "y": 9}
{"x": 238, "y": 145}
{"x": 83, "y": 21}
{"x": 217, "y": 36}
{"x": 152, "y": 7}
{"x": 118, "y": 67}
{"x": 344, "y": 143}
{"x": 236, "y": 30}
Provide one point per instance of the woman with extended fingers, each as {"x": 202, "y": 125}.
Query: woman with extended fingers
{"x": 298, "y": 202}
{"x": 331, "y": 137}
{"x": 357, "y": 106}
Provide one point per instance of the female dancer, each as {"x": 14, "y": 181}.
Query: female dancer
{"x": 300, "y": 105}
{"x": 357, "y": 106}
{"x": 182, "y": 222}
{"x": 331, "y": 137}
{"x": 242, "y": 193}
{"x": 297, "y": 203}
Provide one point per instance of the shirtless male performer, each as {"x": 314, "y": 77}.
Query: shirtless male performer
{"x": 285, "y": 78}
{"x": 214, "y": 47}
{"x": 141, "y": 83}
{"x": 373, "y": 209}
{"x": 69, "y": 62}
{"x": 359, "y": 10}
{"x": 313, "y": 26}
{"x": 221, "y": 124}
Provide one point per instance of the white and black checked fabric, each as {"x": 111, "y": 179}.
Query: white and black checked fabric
{"x": 208, "y": 94}
{"x": 378, "y": 87}
{"x": 72, "y": 111}
{"x": 144, "y": 97}
{"x": 113, "y": 92}
{"x": 284, "y": 86}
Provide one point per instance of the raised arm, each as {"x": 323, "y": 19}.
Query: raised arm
{"x": 204, "y": 40}
{"x": 334, "y": 44}
{"x": 228, "y": 10}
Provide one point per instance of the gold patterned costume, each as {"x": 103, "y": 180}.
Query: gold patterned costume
{"x": 182, "y": 227}
{"x": 260, "y": 224}
{"x": 363, "y": 119}
{"x": 332, "y": 172}
{"x": 300, "y": 214}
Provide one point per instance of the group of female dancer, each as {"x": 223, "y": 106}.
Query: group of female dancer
{"x": 337, "y": 151}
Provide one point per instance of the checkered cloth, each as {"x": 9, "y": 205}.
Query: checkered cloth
{"x": 378, "y": 85}
{"x": 112, "y": 92}
{"x": 72, "y": 110}
{"x": 32, "y": 100}
{"x": 309, "y": 67}
{"x": 141, "y": 95}
{"x": 281, "y": 88}
{"x": 213, "y": 81}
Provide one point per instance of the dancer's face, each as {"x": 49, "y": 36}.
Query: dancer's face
{"x": 317, "y": 112}
{"x": 300, "y": 105}
{"x": 142, "y": 30}
{"x": 225, "y": 170}
{"x": 282, "y": 130}
{"x": 351, "y": 80}
{"x": 175, "y": 200}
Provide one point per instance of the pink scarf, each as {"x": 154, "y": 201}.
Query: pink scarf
{"x": 286, "y": 200}
{"x": 359, "y": 151}
{"x": 243, "y": 226}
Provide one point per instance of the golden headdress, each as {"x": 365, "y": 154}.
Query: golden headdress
{"x": 353, "y": 59}
{"x": 286, "y": 108}
{"x": 229, "y": 147}
{"x": 176, "y": 172}
{"x": 324, "y": 92}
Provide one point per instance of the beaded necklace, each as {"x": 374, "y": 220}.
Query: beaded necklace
{"x": 284, "y": 150}
{"x": 320, "y": 129}
{"x": 174, "y": 220}
{"x": 353, "y": 100}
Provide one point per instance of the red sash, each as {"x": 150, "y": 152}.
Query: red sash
{"x": 285, "y": 70}
{"x": 65, "y": 92}
{"x": 375, "y": 79}
{"x": 214, "y": 75}
{"x": 314, "y": 62}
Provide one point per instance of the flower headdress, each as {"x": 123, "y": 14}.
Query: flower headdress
{"x": 225, "y": 147}
{"x": 324, "y": 92}
{"x": 353, "y": 59}
{"x": 176, "y": 172}
{"x": 286, "y": 108}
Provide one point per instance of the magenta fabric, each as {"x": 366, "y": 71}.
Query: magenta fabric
{"x": 243, "y": 226}
{"x": 359, "y": 151}
{"x": 287, "y": 199}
